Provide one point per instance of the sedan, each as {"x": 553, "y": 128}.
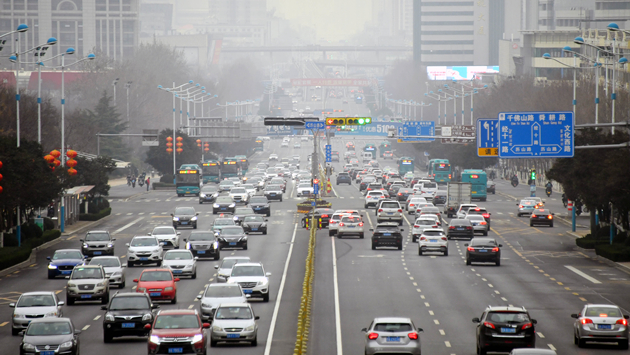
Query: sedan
{"x": 177, "y": 331}
{"x": 32, "y": 305}
{"x": 541, "y": 216}
{"x": 461, "y": 228}
{"x": 221, "y": 223}
{"x": 181, "y": 263}
{"x": 167, "y": 236}
{"x": 224, "y": 270}
{"x": 392, "y": 335}
{"x": 114, "y": 269}
{"x": 203, "y": 245}
{"x": 226, "y": 185}
{"x": 208, "y": 193}
{"x": 260, "y": 205}
{"x": 273, "y": 192}
{"x": 223, "y": 204}
{"x": 420, "y": 225}
{"x": 159, "y": 284}
{"x": 185, "y": 216}
{"x": 479, "y": 223}
{"x": 217, "y": 293}
{"x": 57, "y": 335}
{"x": 483, "y": 250}
{"x": 344, "y": 178}
{"x": 491, "y": 187}
{"x": 600, "y": 323}
{"x": 526, "y": 207}
{"x": 233, "y": 237}
{"x": 254, "y": 224}
{"x": 63, "y": 261}
{"x": 240, "y": 213}
{"x": 234, "y": 323}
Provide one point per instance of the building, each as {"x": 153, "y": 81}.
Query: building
{"x": 156, "y": 19}
{"x": 107, "y": 26}
{"x": 393, "y": 20}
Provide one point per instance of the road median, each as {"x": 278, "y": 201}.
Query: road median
{"x": 304, "y": 314}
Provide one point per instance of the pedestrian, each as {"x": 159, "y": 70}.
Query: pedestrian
{"x": 148, "y": 183}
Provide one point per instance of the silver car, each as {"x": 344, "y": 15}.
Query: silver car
{"x": 433, "y": 240}
{"x": 33, "y": 305}
{"x": 252, "y": 278}
{"x": 350, "y": 225}
{"x": 181, "y": 263}
{"x": 600, "y": 323}
{"x": 167, "y": 235}
{"x": 234, "y": 323}
{"x": 392, "y": 335}
{"x": 217, "y": 294}
{"x": 224, "y": 270}
{"x": 114, "y": 269}
{"x": 479, "y": 223}
{"x": 87, "y": 283}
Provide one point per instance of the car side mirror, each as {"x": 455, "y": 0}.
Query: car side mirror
{"x": 197, "y": 214}
{"x": 61, "y": 303}
{"x": 171, "y": 215}
{"x": 155, "y": 306}
{"x": 149, "y": 233}
{"x": 476, "y": 320}
{"x": 266, "y": 220}
{"x": 216, "y": 267}
{"x": 67, "y": 277}
{"x": 576, "y": 316}
{"x": 81, "y": 240}
{"x": 364, "y": 330}
{"x": 256, "y": 318}
{"x": 267, "y": 274}
{"x": 179, "y": 233}
{"x": 196, "y": 258}
{"x": 500, "y": 245}
{"x": 553, "y": 214}
{"x": 206, "y": 325}
{"x": 104, "y": 308}
{"x": 402, "y": 230}
{"x": 135, "y": 280}
{"x": 517, "y": 204}
{"x": 198, "y": 297}
{"x": 48, "y": 258}
{"x": 113, "y": 239}
{"x": 22, "y": 332}
{"x": 534, "y": 321}
{"x": 185, "y": 239}
{"x": 420, "y": 330}
{"x": 176, "y": 279}
{"x": 371, "y": 229}
{"x": 126, "y": 244}
{"x": 77, "y": 331}
{"x": 626, "y": 316}
{"x": 466, "y": 244}
{"x": 12, "y": 305}
{"x": 147, "y": 326}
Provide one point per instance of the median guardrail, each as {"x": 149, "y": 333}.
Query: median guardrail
{"x": 304, "y": 315}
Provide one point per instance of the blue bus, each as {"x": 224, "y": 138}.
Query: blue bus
{"x": 187, "y": 182}
{"x": 405, "y": 165}
{"x": 440, "y": 170}
{"x": 229, "y": 168}
{"x": 211, "y": 171}
{"x": 478, "y": 180}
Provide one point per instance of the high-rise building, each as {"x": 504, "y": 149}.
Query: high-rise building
{"x": 108, "y": 26}
{"x": 393, "y": 21}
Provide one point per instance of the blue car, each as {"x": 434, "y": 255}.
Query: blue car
{"x": 63, "y": 261}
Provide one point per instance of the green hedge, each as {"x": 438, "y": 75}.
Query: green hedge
{"x": 614, "y": 252}
{"x": 95, "y": 216}
{"x": 162, "y": 184}
{"x": 14, "y": 255}
{"x": 166, "y": 179}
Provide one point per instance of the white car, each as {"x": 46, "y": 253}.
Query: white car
{"x": 273, "y": 157}
{"x": 226, "y": 185}
{"x": 372, "y": 198}
{"x": 181, "y": 263}
{"x": 304, "y": 189}
{"x": 167, "y": 236}
{"x": 144, "y": 250}
{"x": 239, "y": 195}
{"x": 335, "y": 219}
{"x": 297, "y": 145}
{"x": 225, "y": 268}
{"x": 429, "y": 187}
{"x": 33, "y": 305}
{"x": 114, "y": 269}
{"x": 250, "y": 188}
{"x": 433, "y": 240}
{"x": 463, "y": 209}
{"x": 420, "y": 225}
{"x": 252, "y": 278}
{"x": 389, "y": 211}
{"x": 413, "y": 203}
{"x": 350, "y": 225}
{"x": 284, "y": 144}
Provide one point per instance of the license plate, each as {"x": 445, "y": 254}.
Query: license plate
{"x": 392, "y": 339}
{"x": 508, "y": 330}
{"x": 175, "y": 350}
{"x": 460, "y": 229}
{"x": 223, "y": 208}
{"x": 390, "y": 213}
{"x": 66, "y": 272}
{"x": 604, "y": 326}
{"x": 144, "y": 259}
{"x": 184, "y": 222}
{"x": 201, "y": 252}
{"x": 232, "y": 243}
{"x": 433, "y": 240}
{"x": 387, "y": 234}
{"x": 482, "y": 250}
{"x": 247, "y": 291}
{"x": 273, "y": 194}
{"x": 155, "y": 294}
{"x": 86, "y": 296}
{"x": 98, "y": 253}
{"x": 254, "y": 229}
{"x": 351, "y": 226}
{"x": 233, "y": 335}
{"x": 47, "y": 353}
{"x": 177, "y": 271}
{"x": 128, "y": 325}
{"x": 258, "y": 208}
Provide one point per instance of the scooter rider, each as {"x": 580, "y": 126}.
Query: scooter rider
{"x": 548, "y": 189}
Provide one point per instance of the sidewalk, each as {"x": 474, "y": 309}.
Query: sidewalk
{"x": 624, "y": 266}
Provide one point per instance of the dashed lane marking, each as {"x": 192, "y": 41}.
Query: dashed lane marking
{"x": 447, "y": 343}
{"x": 3, "y": 324}
{"x": 97, "y": 318}
{"x": 442, "y": 332}
{"x": 85, "y": 328}
{"x": 540, "y": 335}
{"x": 437, "y": 322}
{"x": 552, "y": 347}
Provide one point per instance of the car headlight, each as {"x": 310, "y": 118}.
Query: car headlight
{"x": 231, "y": 205}
{"x": 217, "y": 328}
{"x": 28, "y": 347}
{"x": 243, "y": 239}
{"x": 100, "y": 284}
{"x": 264, "y": 225}
{"x": 154, "y": 339}
{"x": 109, "y": 317}
{"x": 215, "y": 245}
{"x": 141, "y": 289}
{"x": 17, "y": 315}
{"x": 235, "y": 218}
{"x": 216, "y": 205}
{"x": 66, "y": 345}
{"x": 245, "y": 224}
{"x": 250, "y": 328}
{"x": 155, "y": 250}
{"x": 188, "y": 266}
{"x": 52, "y": 267}
{"x": 230, "y": 281}
{"x": 70, "y": 284}
{"x": 194, "y": 218}
{"x": 50, "y": 314}
{"x": 168, "y": 289}
{"x": 85, "y": 245}
{"x": 175, "y": 219}
{"x": 188, "y": 246}
{"x": 110, "y": 245}
{"x": 147, "y": 316}
{"x": 262, "y": 282}
{"x": 202, "y": 195}
{"x": 197, "y": 338}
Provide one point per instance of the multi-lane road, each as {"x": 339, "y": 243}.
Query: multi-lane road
{"x": 540, "y": 270}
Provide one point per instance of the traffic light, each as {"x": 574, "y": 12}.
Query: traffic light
{"x": 314, "y": 182}
{"x": 350, "y": 121}
{"x": 532, "y": 174}
{"x": 336, "y": 121}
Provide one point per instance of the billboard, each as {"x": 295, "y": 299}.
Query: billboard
{"x": 460, "y": 73}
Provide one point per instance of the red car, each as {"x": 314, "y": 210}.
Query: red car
{"x": 159, "y": 284}
{"x": 177, "y": 331}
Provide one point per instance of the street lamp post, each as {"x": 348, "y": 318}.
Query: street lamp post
{"x": 114, "y": 82}
{"x": 127, "y": 87}
{"x": 173, "y": 91}
{"x": 454, "y": 98}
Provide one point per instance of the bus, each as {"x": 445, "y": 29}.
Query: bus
{"x": 187, "y": 182}
{"x": 384, "y": 147}
{"x": 370, "y": 148}
{"x": 243, "y": 163}
{"x": 229, "y": 168}
{"x": 405, "y": 165}
{"x": 259, "y": 145}
{"x": 211, "y": 171}
{"x": 440, "y": 170}
{"x": 478, "y": 180}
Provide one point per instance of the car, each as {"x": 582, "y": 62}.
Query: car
{"x": 226, "y": 185}
{"x": 541, "y": 216}
{"x": 203, "y": 244}
{"x": 144, "y": 250}
{"x": 537, "y": 351}
{"x": 350, "y": 225}
{"x": 223, "y": 204}
{"x": 52, "y": 336}
{"x": 344, "y": 178}
{"x": 503, "y": 328}
{"x": 273, "y": 157}
{"x": 334, "y": 156}
{"x": 297, "y": 145}
{"x": 323, "y": 217}
{"x": 345, "y": 102}
{"x": 273, "y": 192}
{"x": 335, "y": 219}
{"x": 184, "y": 216}
{"x": 483, "y": 250}
{"x": 114, "y": 269}
{"x": 463, "y": 209}
{"x": 392, "y": 335}
{"x": 420, "y": 206}
{"x": 254, "y": 224}
{"x": 224, "y": 270}
{"x": 350, "y": 146}
{"x": 232, "y": 237}
{"x": 181, "y": 263}
{"x": 279, "y": 181}
{"x": 365, "y": 181}
{"x": 479, "y": 223}
{"x": 34, "y": 305}
{"x": 250, "y": 188}
{"x": 601, "y": 323}
{"x": 388, "y": 155}
{"x": 491, "y": 187}
{"x": 97, "y": 243}
{"x": 63, "y": 261}
{"x": 387, "y": 235}
{"x": 460, "y": 229}
{"x": 260, "y": 205}
{"x": 526, "y": 207}
{"x": 127, "y": 314}
{"x": 220, "y": 223}
{"x": 208, "y": 193}
{"x": 389, "y": 211}
{"x": 167, "y": 236}
{"x": 420, "y": 225}
{"x": 480, "y": 211}
{"x": 239, "y": 195}
{"x": 216, "y": 294}
{"x": 258, "y": 182}
{"x": 159, "y": 284}
{"x": 412, "y": 203}
{"x": 440, "y": 197}
{"x": 240, "y": 213}
{"x": 87, "y": 283}
{"x": 284, "y": 145}
{"x": 252, "y": 278}
{"x": 304, "y": 189}
{"x": 433, "y": 240}
{"x": 372, "y": 198}
{"x": 234, "y": 323}
{"x": 177, "y": 331}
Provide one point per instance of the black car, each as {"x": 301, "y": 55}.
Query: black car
{"x": 322, "y": 215}
{"x": 97, "y": 243}
{"x": 480, "y": 211}
{"x": 240, "y": 213}
{"x": 365, "y": 182}
{"x": 387, "y": 235}
{"x": 203, "y": 244}
{"x": 260, "y": 205}
{"x": 273, "y": 192}
{"x": 460, "y": 228}
{"x": 403, "y": 193}
{"x": 184, "y": 216}
{"x": 439, "y": 198}
{"x": 223, "y": 204}
{"x": 126, "y": 315}
{"x": 541, "y": 216}
{"x": 504, "y": 328}
{"x": 208, "y": 193}
{"x": 344, "y": 178}
{"x": 232, "y": 237}
{"x": 483, "y": 250}
{"x": 44, "y": 336}
{"x": 254, "y": 224}
{"x": 490, "y": 187}
{"x": 393, "y": 191}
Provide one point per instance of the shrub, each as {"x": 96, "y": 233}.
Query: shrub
{"x": 614, "y": 252}
{"x": 167, "y": 178}
{"x": 10, "y": 256}
{"x": 95, "y": 216}
{"x": 162, "y": 184}
{"x": 97, "y": 205}
{"x": 48, "y": 224}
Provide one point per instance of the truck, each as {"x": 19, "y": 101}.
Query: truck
{"x": 457, "y": 193}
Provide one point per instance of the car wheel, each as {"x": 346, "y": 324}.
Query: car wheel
{"x": 122, "y": 285}
{"x": 194, "y": 275}
{"x": 174, "y": 300}
{"x": 51, "y": 275}
{"x": 217, "y": 255}
{"x": 201, "y": 203}
{"x": 373, "y": 246}
{"x": 485, "y": 233}
{"x": 419, "y": 251}
{"x": 498, "y": 262}
{"x": 581, "y": 343}
{"x": 213, "y": 343}
{"x": 446, "y": 252}
{"x": 361, "y": 236}
{"x": 400, "y": 246}
{"x": 531, "y": 224}
{"x": 551, "y": 225}
{"x": 159, "y": 263}
{"x": 129, "y": 263}
{"x": 15, "y": 332}
{"x": 467, "y": 261}
{"x": 280, "y": 199}
{"x": 481, "y": 351}
{"x": 265, "y": 232}
{"x": 195, "y": 226}
{"x": 214, "y": 212}
{"x": 268, "y": 214}
{"x": 255, "y": 342}
{"x": 266, "y": 297}
{"x": 107, "y": 336}
{"x": 69, "y": 301}
{"x": 623, "y": 345}
{"x": 105, "y": 300}
{"x": 339, "y": 235}
{"x": 245, "y": 247}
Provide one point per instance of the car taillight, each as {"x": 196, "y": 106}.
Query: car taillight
{"x": 483, "y": 223}
{"x": 411, "y": 205}
{"x": 380, "y": 210}
{"x": 341, "y": 224}
{"x": 369, "y": 189}
{"x": 451, "y": 227}
{"x": 423, "y": 238}
{"x": 469, "y": 227}
{"x": 361, "y": 224}
{"x": 486, "y": 215}
{"x": 413, "y": 336}
{"x": 488, "y": 325}
{"x": 520, "y": 206}
{"x": 400, "y": 194}
{"x": 470, "y": 249}
{"x": 444, "y": 238}
{"x": 434, "y": 227}
{"x": 399, "y": 210}
{"x": 622, "y": 321}
{"x": 550, "y": 217}
{"x": 495, "y": 249}
{"x": 372, "y": 336}
{"x": 533, "y": 215}
{"x": 324, "y": 215}
{"x": 416, "y": 226}
{"x": 333, "y": 222}
{"x": 586, "y": 321}
{"x": 527, "y": 326}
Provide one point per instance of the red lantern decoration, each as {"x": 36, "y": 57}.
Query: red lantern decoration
{"x": 179, "y": 144}
{"x": 49, "y": 158}
{"x": 179, "y": 150}
{"x": 206, "y": 144}
{"x": 198, "y": 141}
{"x": 0, "y": 165}
{"x": 56, "y": 162}
{"x": 55, "y": 153}
{"x": 206, "y": 149}
{"x": 71, "y": 154}
{"x": 71, "y": 163}
{"x": 0, "y": 177}
{"x": 179, "y": 139}
{"x": 169, "y": 145}
{"x": 169, "y": 139}
{"x": 169, "y": 150}
{"x": 72, "y": 172}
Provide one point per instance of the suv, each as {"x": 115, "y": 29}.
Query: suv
{"x": 344, "y": 178}
{"x": 252, "y": 279}
{"x": 502, "y": 328}
{"x": 31, "y": 305}
{"x": 372, "y": 198}
{"x": 184, "y": 216}
{"x": 178, "y": 331}
{"x": 350, "y": 225}
{"x": 97, "y": 243}
{"x": 433, "y": 240}
{"x": 114, "y": 269}
{"x": 273, "y": 192}
{"x": 127, "y": 314}
{"x": 389, "y": 211}
{"x": 144, "y": 250}
{"x": 87, "y": 283}
{"x": 387, "y": 235}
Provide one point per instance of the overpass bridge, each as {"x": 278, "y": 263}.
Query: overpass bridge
{"x": 316, "y": 48}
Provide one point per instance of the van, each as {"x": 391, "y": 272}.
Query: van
{"x": 366, "y": 157}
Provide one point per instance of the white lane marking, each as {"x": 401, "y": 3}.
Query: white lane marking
{"x": 437, "y": 322}
{"x": 591, "y": 279}
{"x": 369, "y": 220}
{"x": 447, "y": 343}
{"x": 552, "y": 347}
{"x": 442, "y": 332}
{"x": 540, "y": 335}
{"x": 85, "y": 328}
{"x": 336, "y": 295}
{"x": 274, "y": 317}
{"x": 97, "y": 317}
{"x": 126, "y": 226}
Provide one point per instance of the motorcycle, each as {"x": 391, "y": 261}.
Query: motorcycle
{"x": 133, "y": 183}
{"x": 515, "y": 182}
{"x": 548, "y": 191}
{"x": 565, "y": 201}
{"x": 578, "y": 208}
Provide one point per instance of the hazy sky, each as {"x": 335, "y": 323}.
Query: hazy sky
{"x": 333, "y": 19}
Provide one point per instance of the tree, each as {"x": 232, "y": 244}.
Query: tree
{"x": 95, "y": 172}
{"x": 105, "y": 119}
{"x": 162, "y": 161}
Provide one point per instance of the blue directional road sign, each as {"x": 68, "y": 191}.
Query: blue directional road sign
{"x": 536, "y": 134}
{"x": 316, "y": 189}
{"x": 487, "y": 137}
{"x": 416, "y": 128}
{"x": 328, "y": 153}
{"x": 314, "y": 125}
{"x": 313, "y": 203}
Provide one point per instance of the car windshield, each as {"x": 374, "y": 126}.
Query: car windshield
{"x": 96, "y": 237}
{"x": 203, "y": 236}
{"x": 254, "y": 219}
{"x": 248, "y": 186}
{"x": 245, "y": 210}
{"x": 483, "y": 242}
{"x": 226, "y": 183}
{"x": 425, "y": 222}
{"x": 224, "y": 199}
{"x": 178, "y": 255}
{"x": 231, "y": 231}
{"x": 233, "y": 313}
{"x": 163, "y": 231}
{"x": 80, "y": 273}
{"x": 176, "y": 321}
{"x": 433, "y": 233}
{"x": 258, "y": 200}
{"x": 223, "y": 291}
{"x": 156, "y": 276}
{"x": 238, "y": 190}
{"x": 528, "y": 203}
{"x": 375, "y": 193}
{"x": 393, "y": 327}
{"x": 184, "y": 211}
{"x": 460, "y": 222}
{"x": 595, "y": 311}
{"x": 223, "y": 222}
{"x": 475, "y": 218}
{"x": 36, "y": 301}
{"x": 351, "y": 219}
{"x": 304, "y": 184}
{"x": 144, "y": 242}
{"x": 67, "y": 254}
{"x": 431, "y": 209}
{"x": 229, "y": 263}
{"x": 247, "y": 271}
{"x": 273, "y": 187}
{"x": 390, "y": 205}
{"x": 429, "y": 185}
{"x": 128, "y": 303}
{"x": 508, "y": 317}
{"x": 209, "y": 188}
{"x": 106, "y": 262}
{"x": 49, "y": 328}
